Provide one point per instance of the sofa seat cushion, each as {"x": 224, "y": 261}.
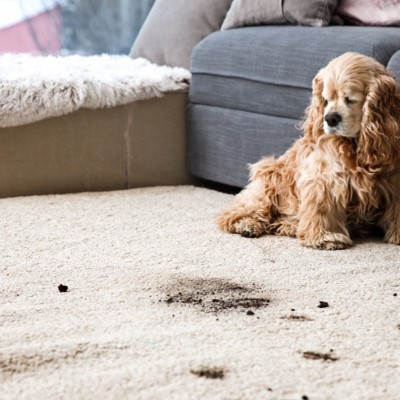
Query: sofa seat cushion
{"x": 255, "y": 68}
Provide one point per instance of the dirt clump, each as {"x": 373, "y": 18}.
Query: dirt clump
{"x": 62, "y": 288}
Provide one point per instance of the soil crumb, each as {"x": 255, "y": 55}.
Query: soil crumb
{"x": 62, "y": 288}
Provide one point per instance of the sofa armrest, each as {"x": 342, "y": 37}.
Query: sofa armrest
{"x": 394, "y": 65}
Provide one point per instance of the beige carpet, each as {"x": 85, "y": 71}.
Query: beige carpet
{"x": 161, "y": 305}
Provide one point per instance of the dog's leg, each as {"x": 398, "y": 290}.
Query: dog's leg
{"x": 322, "y": 215}
{"x": 390, "y": 220}
{"x": 390, "y": 223}
{"x": 250, "y": 213}
{"x": 285, "y": 225}
{"x": 269, "y": 203}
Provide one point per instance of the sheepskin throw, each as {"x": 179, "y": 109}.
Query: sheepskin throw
{"x": 33, "y": 88}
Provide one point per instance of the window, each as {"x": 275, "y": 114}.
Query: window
{"x": 71, "y": 26}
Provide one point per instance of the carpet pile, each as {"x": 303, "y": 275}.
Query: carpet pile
{"x": 161, "y": 305}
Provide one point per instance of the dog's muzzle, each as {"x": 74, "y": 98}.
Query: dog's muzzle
{"x": 333, "y": 119}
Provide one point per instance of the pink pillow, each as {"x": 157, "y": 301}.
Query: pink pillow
{"x": 370, "y": 12}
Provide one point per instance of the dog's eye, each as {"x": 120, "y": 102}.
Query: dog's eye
{"x": 349, "y": 101}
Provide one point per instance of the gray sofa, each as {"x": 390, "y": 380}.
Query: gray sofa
{"x": 250, "y": 87}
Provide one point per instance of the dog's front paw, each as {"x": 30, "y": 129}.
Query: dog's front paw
{"x": 327, "y": 241}
{"x": 242, "y": 225}
{"x": 248, "y": 227}
{"x": 392, "y": 237}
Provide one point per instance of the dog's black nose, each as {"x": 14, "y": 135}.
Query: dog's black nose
{"x": 333, "y": 119}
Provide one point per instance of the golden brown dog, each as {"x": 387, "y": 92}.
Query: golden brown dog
{"x": 342, "y": 174}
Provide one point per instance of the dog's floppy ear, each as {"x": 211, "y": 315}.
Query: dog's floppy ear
{"x": 313, "y": 123}
{"x": 379, "y": 142}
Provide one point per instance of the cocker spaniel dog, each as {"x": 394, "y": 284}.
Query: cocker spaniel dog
{"x": 342, "y": 175}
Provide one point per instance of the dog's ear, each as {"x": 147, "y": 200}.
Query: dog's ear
{"x": 379, "y": 142}
{"x": 314, "y": 118}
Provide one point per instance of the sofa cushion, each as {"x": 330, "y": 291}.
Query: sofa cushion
{"x": 254, "y": 12}
{"x": 174, "y": 27}
{"x": 254, "y": 68}
{"x": 369, "y": 12}
{"x": 272, "y": 12}
{"x": 310, "y": 12}
{"x": 249, "y": 95}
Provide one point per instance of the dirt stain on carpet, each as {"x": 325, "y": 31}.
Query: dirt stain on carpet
{"x": 312, "y": 355}
{"x": 296, "y": 318}
{"x": 214, "y": 295}
{"x": 209, "y": 372}
{"x": 30, "y": 360}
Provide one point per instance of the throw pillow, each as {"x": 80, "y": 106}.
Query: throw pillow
{"x": 370, "y": 12}
{"x": 309, "y": 12}
{"x": 174, "y": 27}
{"x": 272, "y": 12}
{"x": 254, "y": 12}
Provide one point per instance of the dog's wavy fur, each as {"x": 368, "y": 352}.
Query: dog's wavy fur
{"x": 331, "y": 183}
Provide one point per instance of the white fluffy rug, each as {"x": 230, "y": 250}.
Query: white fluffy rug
{"x": 161, "y": 305}
{"x": 33, "y": 88}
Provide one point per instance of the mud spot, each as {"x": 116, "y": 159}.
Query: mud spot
{"x": 312, "y": 355}
{"x": 214, "y": 295}
{"x": 209, "y": 372}
{"x": 62, "y": 288}
{"x": 296, "y": 318}
{"x": 323, "y": 304}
